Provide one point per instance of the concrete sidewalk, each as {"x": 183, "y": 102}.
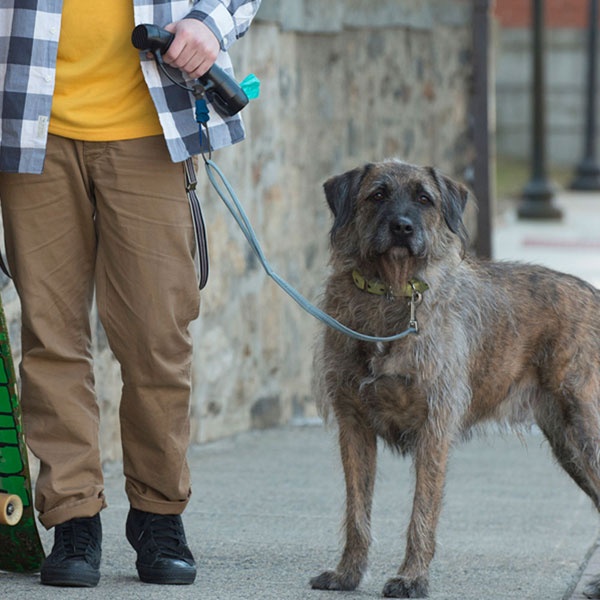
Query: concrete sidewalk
{"x": 267, "y": 506}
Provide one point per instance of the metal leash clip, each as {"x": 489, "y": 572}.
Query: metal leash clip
{"x": 415, "y": 300}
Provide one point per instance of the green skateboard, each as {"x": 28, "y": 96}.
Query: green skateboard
{"x": 20, "y": 546}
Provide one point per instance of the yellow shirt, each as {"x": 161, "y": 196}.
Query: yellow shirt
{"x": 100, "y": 93}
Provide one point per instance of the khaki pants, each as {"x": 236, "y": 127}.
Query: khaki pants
{"x": 109, "y": 217}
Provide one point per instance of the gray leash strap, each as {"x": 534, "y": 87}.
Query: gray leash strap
{"x": 231, "y": 201}
{"x": 201, "y": 258}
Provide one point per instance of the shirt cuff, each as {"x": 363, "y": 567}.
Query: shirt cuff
{"x": 218, "y": 19}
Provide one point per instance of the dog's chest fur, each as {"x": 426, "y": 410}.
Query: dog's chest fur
{"x": 382, "y": 381}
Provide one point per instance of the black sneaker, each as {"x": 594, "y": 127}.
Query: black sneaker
{"x": 75, "y": 557}
{"x": 163, "y": 555}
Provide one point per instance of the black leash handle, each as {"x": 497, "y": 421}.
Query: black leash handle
{"x": 221, "y": 90}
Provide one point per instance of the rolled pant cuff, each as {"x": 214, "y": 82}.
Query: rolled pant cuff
{"x": 157, "y": 507}
{"x": 76, "y": 510}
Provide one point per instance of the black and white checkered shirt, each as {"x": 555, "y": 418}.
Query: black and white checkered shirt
{"x": 29, "y": 32}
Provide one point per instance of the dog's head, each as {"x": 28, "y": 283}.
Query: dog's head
{"x": 394, "y": 209}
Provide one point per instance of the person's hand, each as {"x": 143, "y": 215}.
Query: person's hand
{"x": 194, "y": 49}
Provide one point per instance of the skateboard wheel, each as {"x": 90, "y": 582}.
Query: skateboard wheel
{"x": 11, "y": 509}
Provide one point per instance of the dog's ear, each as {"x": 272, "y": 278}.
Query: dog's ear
{"x": 340, "y": 192}
{"x": 454, "y": 199}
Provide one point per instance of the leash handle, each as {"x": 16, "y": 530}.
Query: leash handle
{"x": 201, "y": 258}
{"x": 236, "y": 209}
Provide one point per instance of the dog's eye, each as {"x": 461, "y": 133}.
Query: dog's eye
{"x": 377, "y": 196}
{"x": 423, "y": 198}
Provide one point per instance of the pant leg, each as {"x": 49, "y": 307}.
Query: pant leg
{"x": 51, "y": 245}
{"x": 147, "y": 295}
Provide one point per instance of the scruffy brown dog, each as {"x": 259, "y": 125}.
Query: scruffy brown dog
{"x": 496, "y": 341}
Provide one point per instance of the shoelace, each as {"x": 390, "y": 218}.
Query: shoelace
{"x": 167, "y": 533}
{"x": 75, "y": 539}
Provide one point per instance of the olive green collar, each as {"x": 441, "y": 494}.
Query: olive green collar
{"x": 377, "y": 287}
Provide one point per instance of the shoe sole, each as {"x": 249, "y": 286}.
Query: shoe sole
{"x": 61, "y": 579}
{"x": 170, "y": 577}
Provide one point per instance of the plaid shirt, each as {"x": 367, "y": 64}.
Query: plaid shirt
{"x": 29, "y": 32}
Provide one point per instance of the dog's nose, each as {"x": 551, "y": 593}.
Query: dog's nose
{"x": 402, "y": 226}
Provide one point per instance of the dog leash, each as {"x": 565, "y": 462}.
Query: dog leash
{"x": 201, "y": 258}
{"x": 236, "y": 209}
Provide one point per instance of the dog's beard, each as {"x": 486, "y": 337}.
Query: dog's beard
{"x": 396, "y": 267}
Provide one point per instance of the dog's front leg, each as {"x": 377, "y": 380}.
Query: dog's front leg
{"x": 358, "y": 446}
{"x": 431, "y": 456}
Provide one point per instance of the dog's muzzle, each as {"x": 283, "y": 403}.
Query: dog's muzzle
{"x": 402, "y": 232}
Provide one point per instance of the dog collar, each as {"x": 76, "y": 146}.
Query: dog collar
{"x": 377, "y": 287}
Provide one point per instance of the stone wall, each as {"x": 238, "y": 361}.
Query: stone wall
{"x": 343, "y": 82}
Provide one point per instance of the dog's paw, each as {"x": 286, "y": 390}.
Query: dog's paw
{"x": 330, "y": 580}
{"x": 400, "y": 587}
{"x": 592, "y": 589}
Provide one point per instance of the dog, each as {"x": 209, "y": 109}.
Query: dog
{"x": 491, "y": 341}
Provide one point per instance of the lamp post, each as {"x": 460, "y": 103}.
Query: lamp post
{"x": 481, "y": 125}
{"x": 587, "y": 174}
{"x": 537, "y": 195}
